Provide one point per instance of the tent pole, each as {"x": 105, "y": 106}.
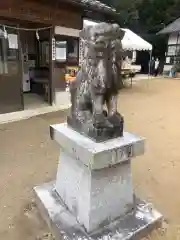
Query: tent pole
{"x": 149, "y": 73}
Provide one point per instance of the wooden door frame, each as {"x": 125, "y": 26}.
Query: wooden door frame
{"x": 51, "y": 67}
{"x": 21, "y": 68}
{"x": 18, "y": 104}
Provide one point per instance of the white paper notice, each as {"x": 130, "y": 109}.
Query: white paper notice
{"x": 168, "y": 60}
{"x": 61, "y": 54}
{"x": 13, "y": 41}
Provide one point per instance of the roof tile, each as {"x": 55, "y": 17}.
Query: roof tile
{"x": 95, "y": 4}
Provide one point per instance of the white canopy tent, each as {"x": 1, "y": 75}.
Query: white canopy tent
{"x": 132, "y": 41}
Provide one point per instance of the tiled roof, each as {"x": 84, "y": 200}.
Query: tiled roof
{"x": 94, "y": 5}
{"x": 172, "y": 27}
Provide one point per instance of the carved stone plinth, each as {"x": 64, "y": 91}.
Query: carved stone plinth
{"x": 93, "y": 187}
{"x": 97, "y": 134}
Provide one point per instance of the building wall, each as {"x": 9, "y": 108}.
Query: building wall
{"x": 40, "y": 13}
{"x": 67, "y": 21}
{"x": 62, "y": 33}
{"x": 173, "y": 51}
{"x": 173, "y": 48}
{"x": 172, "y": 38}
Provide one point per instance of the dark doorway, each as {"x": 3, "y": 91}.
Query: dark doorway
{"x": 142, "y": 59}
{"x": 36, "y": 68}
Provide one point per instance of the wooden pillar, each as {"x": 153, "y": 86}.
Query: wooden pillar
{"x": 58, "y": 84}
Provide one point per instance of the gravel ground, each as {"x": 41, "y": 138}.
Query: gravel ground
{"x": 28, "y": 157}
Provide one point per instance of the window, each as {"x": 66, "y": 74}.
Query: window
{"x": 173, "y": 54}
{"x": 172, "y": 60}
{"x": 171, "y": 50}
{"x": 177, "y": 50}
{"x": 9, "y": 55}
{"x": 72, "y": 49}
{"x": 67, "y": 49}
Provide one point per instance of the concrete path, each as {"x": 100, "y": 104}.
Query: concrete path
{"x": 20, "y": 115}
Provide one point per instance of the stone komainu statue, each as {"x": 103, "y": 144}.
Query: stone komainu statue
{"x": 97, "y": 84}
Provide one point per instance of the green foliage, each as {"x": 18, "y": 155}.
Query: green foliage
{"x": 147, "y": 17}
{"x": 150, "y": 15}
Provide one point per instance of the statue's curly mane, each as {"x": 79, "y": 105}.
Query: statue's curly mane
{"x": 94, "y": 61}
{"x": 91, "y": 60}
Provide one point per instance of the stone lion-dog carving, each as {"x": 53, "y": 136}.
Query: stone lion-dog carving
{"x": 97, "y": 83}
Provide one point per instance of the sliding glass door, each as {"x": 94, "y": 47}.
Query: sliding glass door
{"x": 11, "y": 95}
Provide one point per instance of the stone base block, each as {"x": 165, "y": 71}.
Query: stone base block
{"x": 94, "y": 197}
{"x": 95, "y": 133}
{"x": 94, "y": 179}
{"x": 64, "y": 225}
{"x": 97, "y": 155}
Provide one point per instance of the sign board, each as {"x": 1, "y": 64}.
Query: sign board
{"x": 13, "y": 41}
{"x": 53, "y": 49}
{"x": 66, "y": 31}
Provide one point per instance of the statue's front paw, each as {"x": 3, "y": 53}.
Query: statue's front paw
{"x": 116, "y": 119}
{"x": 100, "y": 121}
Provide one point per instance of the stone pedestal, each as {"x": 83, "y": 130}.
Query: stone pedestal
{"x": 93, "y": 186}
{"x": 94, "y": 179}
